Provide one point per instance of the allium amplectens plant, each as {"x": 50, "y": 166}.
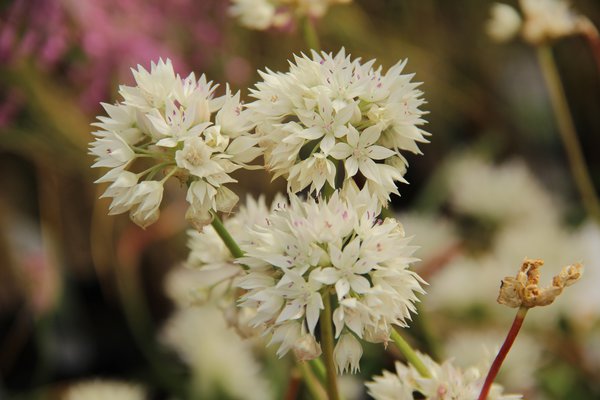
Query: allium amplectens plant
{"x": 332, "y": 111}
{"x": 183, "y": 130}
{"x": 317, "y": 275}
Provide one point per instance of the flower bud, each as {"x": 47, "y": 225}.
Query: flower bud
{"x": 347, "y": 353}
{"x": 307, "y": 348}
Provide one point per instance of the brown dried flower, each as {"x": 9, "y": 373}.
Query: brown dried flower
{"x": 523, "y": 290}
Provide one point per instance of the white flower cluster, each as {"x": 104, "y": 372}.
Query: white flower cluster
{"x": 543, "y": 20}
{"x": 446, "y": 382}
{"x": 315, "y": 248}
{"x": 264, "y": 14}
{"x": 508, "y": 193}
{"x": 331, "y": 110}
{"x": 181, "y": 130}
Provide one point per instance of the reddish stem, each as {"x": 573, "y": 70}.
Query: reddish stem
{"x": 436, "y": 263}
{"x": 508, "y": 342}
{"x": 293, "y": 386}
{"x": 593, "y": 38}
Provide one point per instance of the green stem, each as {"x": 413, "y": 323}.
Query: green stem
{"x": 508, "y": 342}
{"x": 168, "y": 175}
{"x": 410, "y": 354}
{"x": 311, "y": 382}
{"x": 567, "y": 131}
{"x": 327, "y": 346}
{"x": 319, "y": 369}
{"x": 154, "y": 169}
{"x": 327, "y": 191}
{"x": 224, "y": 234}
{"x": 310, "y": 34}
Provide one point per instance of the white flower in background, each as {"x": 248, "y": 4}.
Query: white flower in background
{"x": 104, "y": 389}
{"x": 170, "y": 126}
{"x": 527, "y": 222}
{"x": 264, "y": 14}
{"x": 447, "y": 382}
{"x": 548, "y": 20}
{"x": 329, "y": 111}
{"x": 508, "y": 193}
{"x": 254, "y": 14}
{"x": 220, "y": 361}
{"x": 504, "y": 24}
{"x": 452, "y": 287}
{"x": 436, "y": 233}
{"x": 584, "y": 303}
{"x": 542, "y": 21}
{"x": 470, "y": 347}
{"x": 337, "y": 246}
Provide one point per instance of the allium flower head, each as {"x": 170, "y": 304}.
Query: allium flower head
{"x": 312, "y": 248}
{"x": 264, "y": 14}
{"x": 447, "y": 382}
{"x": 169, "y": 126}
{"x": 329, "y": 111}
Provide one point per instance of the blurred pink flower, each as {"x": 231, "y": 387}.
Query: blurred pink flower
{"x": 93, "y": 43}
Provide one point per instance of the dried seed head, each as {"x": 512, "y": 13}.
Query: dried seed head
{"x": 523, "y": 290}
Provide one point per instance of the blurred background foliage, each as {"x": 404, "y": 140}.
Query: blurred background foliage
{"x": 81, "y": 293}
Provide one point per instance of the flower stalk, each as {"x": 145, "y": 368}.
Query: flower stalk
{"x": 310, "y": 34}
{"x": 224, "y": 234}
{"x": 312, "y": 382}
{"x": 327, "y": 346}
{"x": 508, "y": 342}
{"x": 566, "y": 128}
{"x": 410, "y": 354}
{"x": 318, "y": 368}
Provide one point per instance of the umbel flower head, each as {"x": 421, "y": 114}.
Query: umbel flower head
{"x": 315, "y": 248}
{"x": 169, "y": 126}
{"x": 447, "y": 381}
{"x": 264, "y": 14}
{"x": 328, "y": 111}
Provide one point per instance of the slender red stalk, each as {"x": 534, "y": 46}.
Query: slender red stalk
{"x": 594, "y": 43}
{"x": 593, "y": 38}
{"x": 508, "y": 342}
{"x": 293, "y": 386}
